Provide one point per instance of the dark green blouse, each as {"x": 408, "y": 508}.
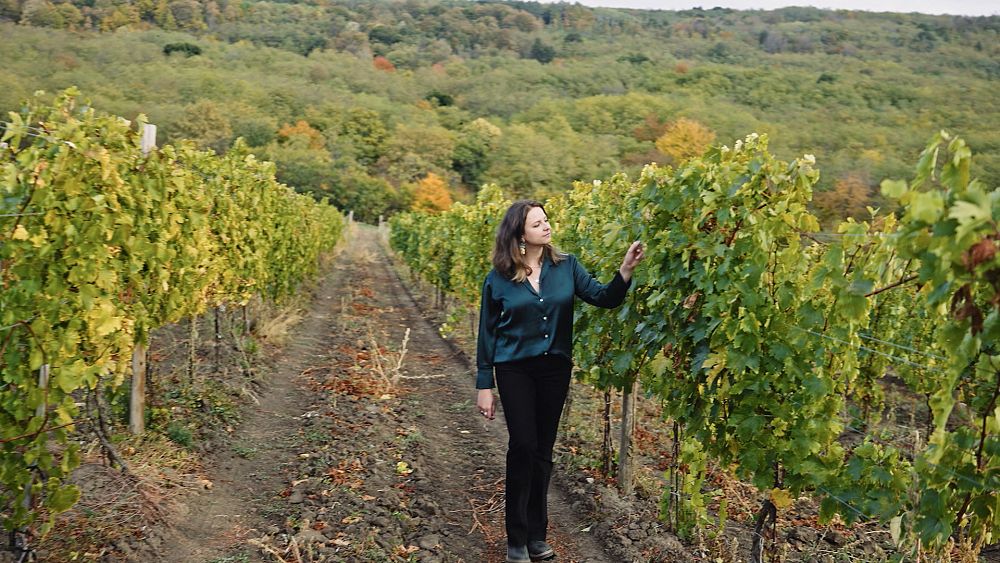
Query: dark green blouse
{"x": 517, "y": 323}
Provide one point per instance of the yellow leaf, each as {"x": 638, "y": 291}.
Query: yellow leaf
{"x": 781, "y": 498}
{"x": 102, "y": 319}
{"x": 20, "y": 233}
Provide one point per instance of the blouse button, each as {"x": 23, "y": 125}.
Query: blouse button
{"x": 546, "y": 336}
{"x": 540, "y": 299}
{"x": 545, "y": 318}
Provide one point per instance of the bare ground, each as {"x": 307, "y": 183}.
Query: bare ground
{"x": 334, "y": 464}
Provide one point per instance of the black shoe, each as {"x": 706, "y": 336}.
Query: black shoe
{"x": 517, "y": 554}
{"x": 538, "y": 550}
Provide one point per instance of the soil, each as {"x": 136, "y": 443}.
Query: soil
{"x": 338, "y": 464}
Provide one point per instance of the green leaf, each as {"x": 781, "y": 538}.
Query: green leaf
{"x": 659, "y": 365}
{"x": 815, "y": 386}
{"x": 69, "y": 377}
{"x": 828, "y": 508}
{"x": 927, "y": 207}
{"x": 894, "y": 188}
{"x": 63, "y": 498}
{"x": 35, "y": 358}
{"x": 966, "y": 211}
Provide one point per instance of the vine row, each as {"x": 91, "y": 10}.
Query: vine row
{"x": 774, "y": 345}
{"x": 99, "y": 245}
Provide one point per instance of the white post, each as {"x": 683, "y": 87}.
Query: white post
{"x": 137, "y": 395}
{"x": 148, "y": 142}
{"x": 43, "y": 384}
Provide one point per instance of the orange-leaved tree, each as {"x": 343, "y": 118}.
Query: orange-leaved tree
{"x": 431, "y": 194}
{"x": 685, "y": 138}
{"x": 382, "y": 63}
{"x": 302, "y": 130}
{"x": 849, "y": 197}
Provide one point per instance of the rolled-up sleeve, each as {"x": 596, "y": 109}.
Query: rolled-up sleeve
{"x": 608, "y": 295}
{"x": 489, "y": 317}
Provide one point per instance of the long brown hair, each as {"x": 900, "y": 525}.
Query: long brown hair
{"x": 507, "y": 258}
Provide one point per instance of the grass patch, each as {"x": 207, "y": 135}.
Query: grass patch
{"x": 180, "y": 435}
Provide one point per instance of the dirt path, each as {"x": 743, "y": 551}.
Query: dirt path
{"x": 336, "y": 466}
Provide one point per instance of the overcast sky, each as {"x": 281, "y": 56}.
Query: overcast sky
{"x": 957, "y": 7}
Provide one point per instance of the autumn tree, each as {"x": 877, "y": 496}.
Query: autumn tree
{"x": 120, "y": 16}
{"x": 188, "y": 14}
{"x": 302, "y": 130}
{"x": 164, "y": 16}
{"x": 431, "y": 194}
{"x": 651, "y": 129}
{"x": 41, "y": 13}
{"x": 849, "y": 197}
{"x": 382, "y": 63}
{"x": 684, "y": 139}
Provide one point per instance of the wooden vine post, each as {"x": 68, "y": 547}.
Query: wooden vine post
{"x": 625, "y": 461}
{"x": 137, "y": 396}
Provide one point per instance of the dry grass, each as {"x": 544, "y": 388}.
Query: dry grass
{"x": 275, "y": 329}
{"x": 116, "y": 507}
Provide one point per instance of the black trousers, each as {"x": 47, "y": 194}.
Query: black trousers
{"x": 532, "y": 393}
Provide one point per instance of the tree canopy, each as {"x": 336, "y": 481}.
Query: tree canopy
{"x": 357, "y": 100}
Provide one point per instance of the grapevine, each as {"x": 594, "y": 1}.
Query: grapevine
{"x": 772, "y": 344}
{"x": 100, "y": 245}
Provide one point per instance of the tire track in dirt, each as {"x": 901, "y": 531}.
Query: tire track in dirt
{"x": 248, "y": 474}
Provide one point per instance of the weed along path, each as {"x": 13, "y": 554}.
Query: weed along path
{"x": 365, "y": 445}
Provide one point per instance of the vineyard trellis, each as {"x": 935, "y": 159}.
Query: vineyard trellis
{"x": 768, "y": 341}
{"x": 100, "y": 244}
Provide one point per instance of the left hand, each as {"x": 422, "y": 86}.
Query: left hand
{"x": 633, "y": 256}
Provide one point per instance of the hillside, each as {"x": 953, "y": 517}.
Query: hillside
{"x": 379, "y": 104}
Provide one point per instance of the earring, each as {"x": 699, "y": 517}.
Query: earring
{"x": 522, "y": 247}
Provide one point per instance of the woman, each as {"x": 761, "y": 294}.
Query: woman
{"x": 526, "y": 337}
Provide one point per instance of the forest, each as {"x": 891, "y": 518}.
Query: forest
{"x": 383, "y": 106}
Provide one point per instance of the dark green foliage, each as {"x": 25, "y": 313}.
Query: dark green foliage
{"x": 257, "y": 132}
{"x": 541, "y": 52}
{"x": 384, "y": 34}
{"x": 189, "y": 49}
{"x": 633, "y": 58}
{"x": 440, "y": 98}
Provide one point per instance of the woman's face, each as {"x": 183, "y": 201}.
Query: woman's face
{"x": 536, "y": 227}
